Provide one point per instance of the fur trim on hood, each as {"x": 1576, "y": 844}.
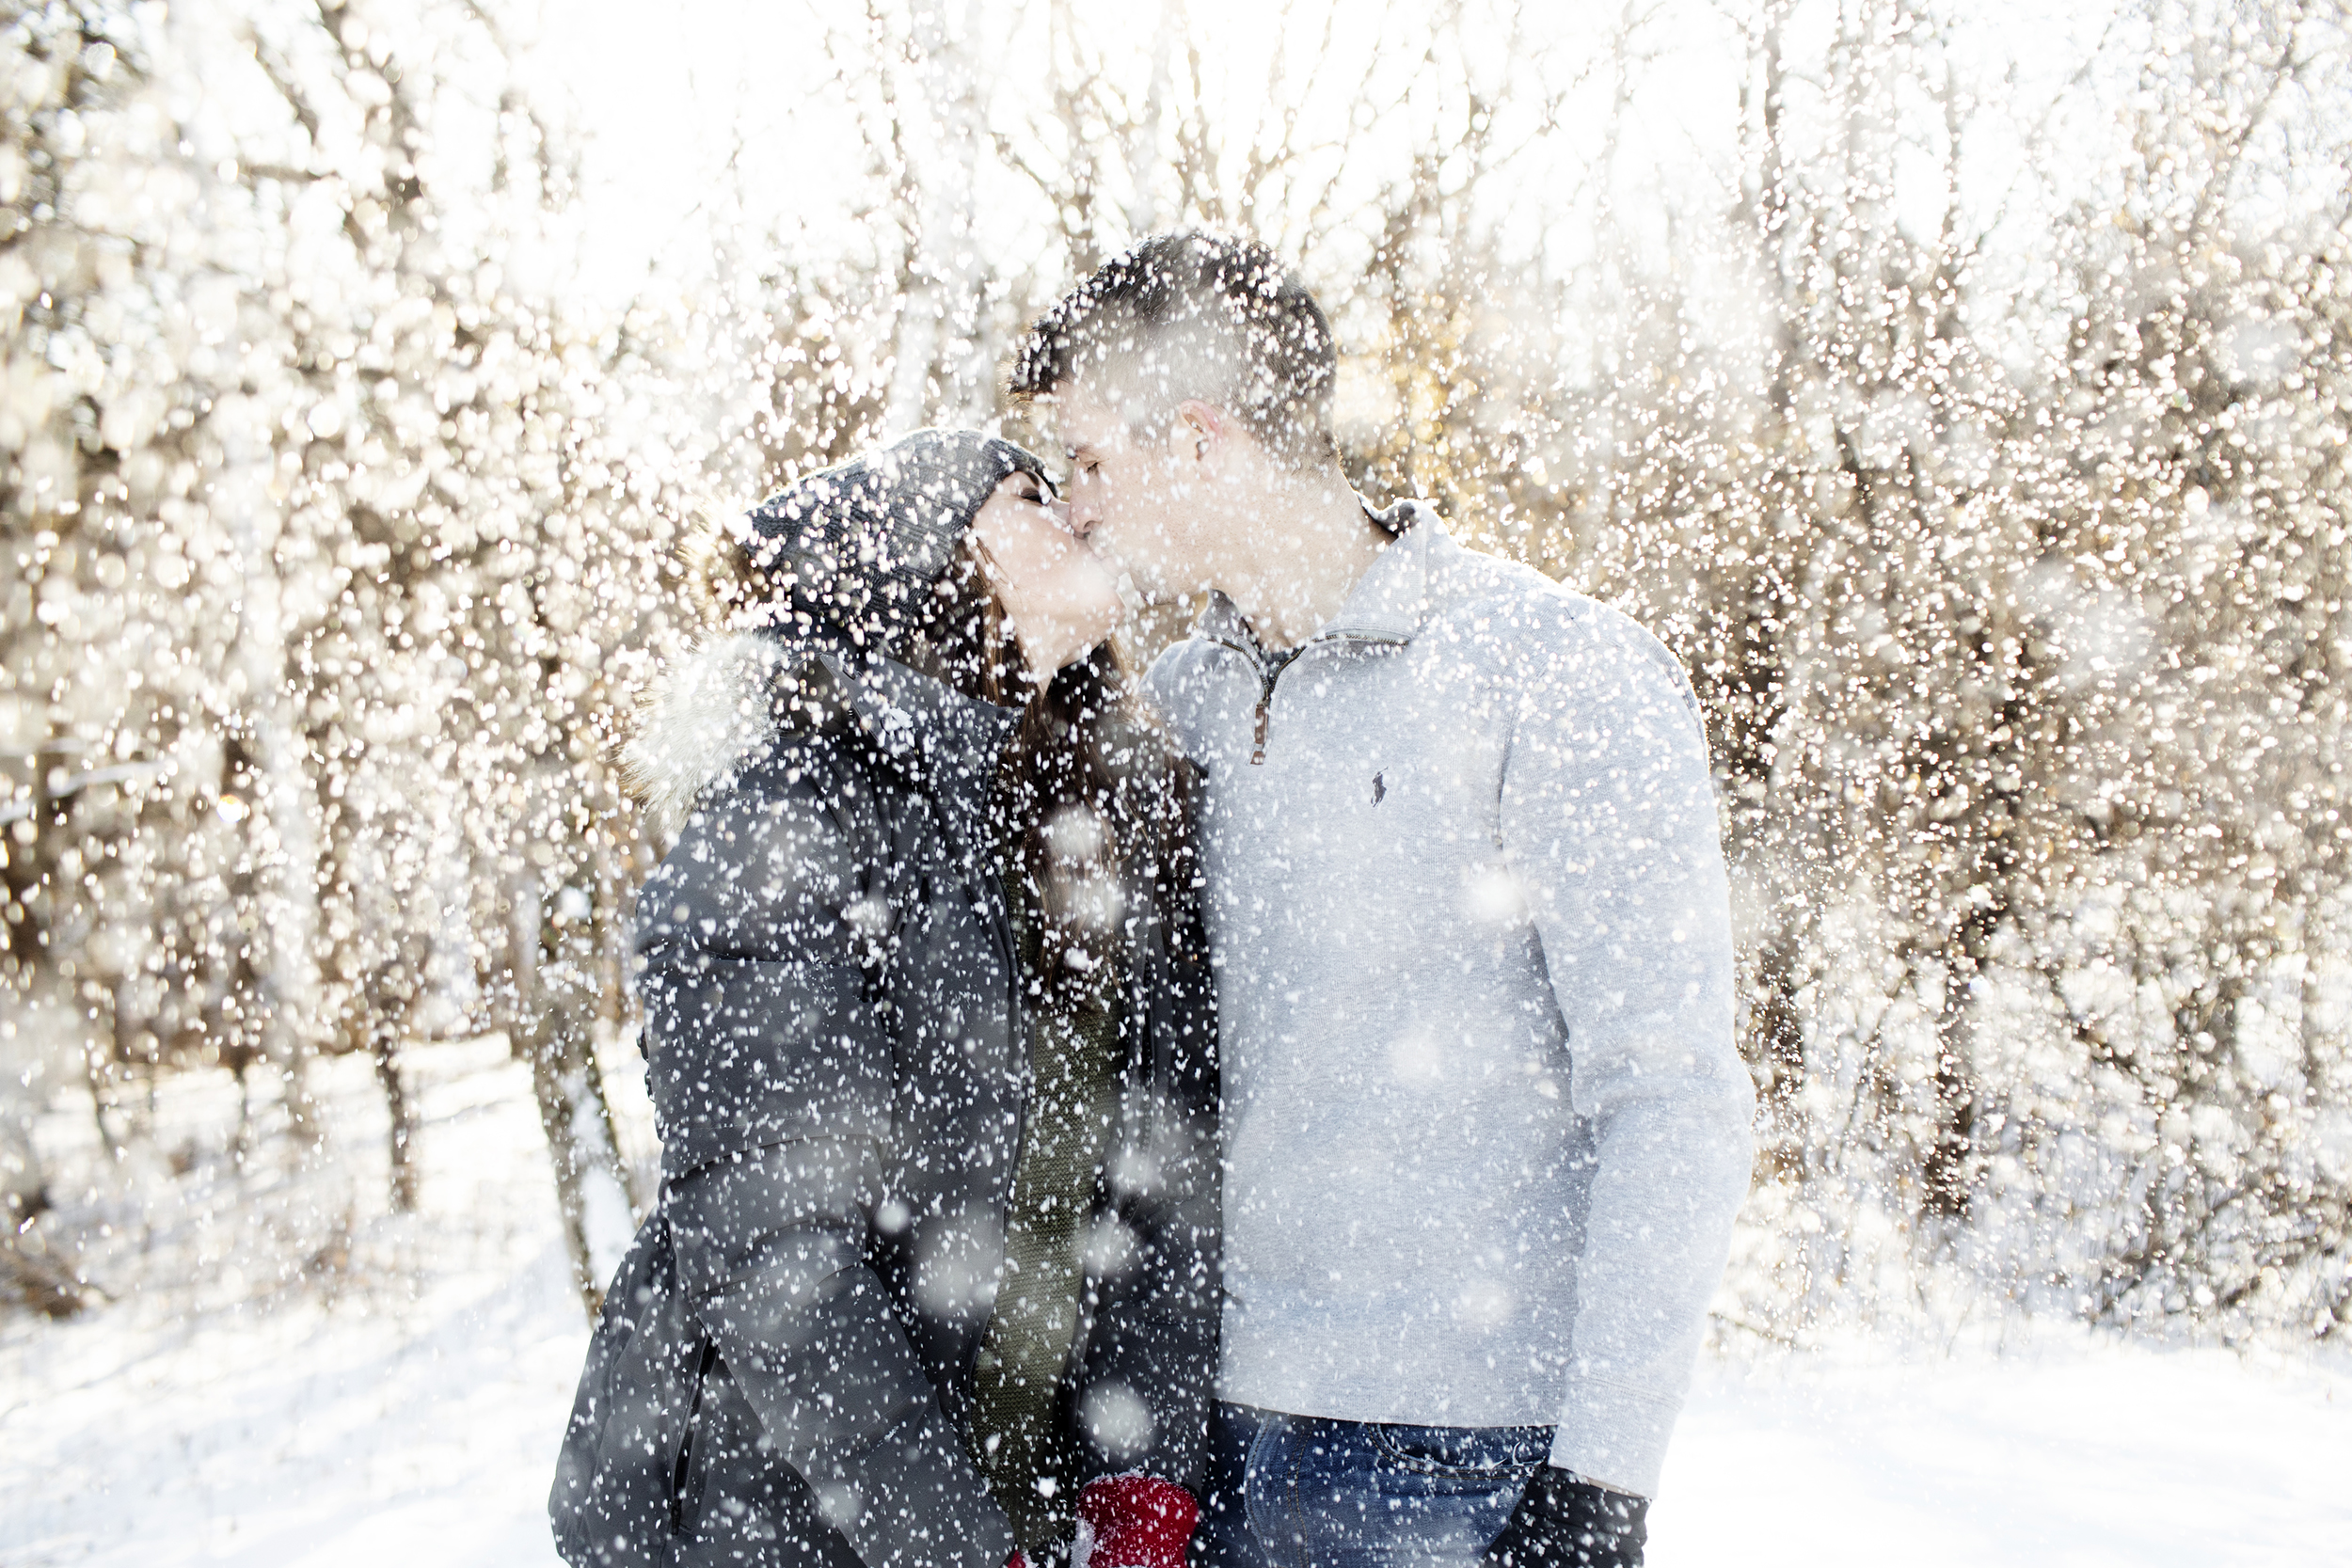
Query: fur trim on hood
{"x": 724, "y": 705}
{"x": 708, "y": 715}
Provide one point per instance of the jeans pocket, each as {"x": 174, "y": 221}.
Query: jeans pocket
{"x": 1488, "y": 1454}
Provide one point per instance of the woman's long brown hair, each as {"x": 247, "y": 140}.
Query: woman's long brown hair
{"x": 1091, "y": 804}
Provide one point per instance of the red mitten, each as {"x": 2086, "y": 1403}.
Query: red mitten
{"x": 1133, "y": 1521}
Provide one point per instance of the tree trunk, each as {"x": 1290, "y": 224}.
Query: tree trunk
{"x": 939, "y": 338}
{"x": 382, "y": 1032}
{"x": 569, "y": 1101}
{"x": 28, "y": 1275}
{"x": 99, "y": 1063}
{"x": 283, "y": 828}
{"x": 553, "y": 1028}
{"x": 23, "y": 1180}
{"x": 610, "y": 943}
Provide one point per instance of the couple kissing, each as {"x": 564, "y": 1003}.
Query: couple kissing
{"x": 1279, "y": 1109}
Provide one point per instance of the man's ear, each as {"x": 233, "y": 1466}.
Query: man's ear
{"x": 1199, "y": 430}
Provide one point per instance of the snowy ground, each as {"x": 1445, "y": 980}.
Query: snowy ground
{"x": 407, "y": 1408}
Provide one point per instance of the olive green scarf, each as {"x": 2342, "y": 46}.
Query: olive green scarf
{"x": 1025, "y": 1352}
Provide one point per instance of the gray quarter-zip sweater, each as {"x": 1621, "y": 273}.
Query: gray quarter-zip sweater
{"x": 1486, "y": 1125}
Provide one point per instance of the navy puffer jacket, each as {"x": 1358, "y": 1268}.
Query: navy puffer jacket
{"x": 837, "y": 1049}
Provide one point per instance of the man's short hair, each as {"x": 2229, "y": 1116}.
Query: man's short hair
{"x": 1193, "y": 315}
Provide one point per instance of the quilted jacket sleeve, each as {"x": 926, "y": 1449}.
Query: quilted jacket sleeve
{"x": 765, "y": 934}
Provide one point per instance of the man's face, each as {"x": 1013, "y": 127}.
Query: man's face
{"x": 1133, "y": 501}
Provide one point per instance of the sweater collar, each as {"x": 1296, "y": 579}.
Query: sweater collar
{"x": 1389, "y": 603}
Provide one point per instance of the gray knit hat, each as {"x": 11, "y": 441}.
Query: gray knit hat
{"x": 863, "y": 543}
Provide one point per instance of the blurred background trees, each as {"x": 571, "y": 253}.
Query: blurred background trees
{"x": 1965, "y": 407}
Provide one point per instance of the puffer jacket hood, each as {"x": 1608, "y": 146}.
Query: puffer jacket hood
{"x": 857, "y": 548}
{"x": 731, "y": 702}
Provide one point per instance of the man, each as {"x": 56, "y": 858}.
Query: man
{"x": 1486, "y": 1127}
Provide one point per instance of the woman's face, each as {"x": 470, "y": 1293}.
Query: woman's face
{"x": 1060, "y": 599}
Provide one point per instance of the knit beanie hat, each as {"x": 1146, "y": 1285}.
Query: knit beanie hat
{"x": 863, "y": 544}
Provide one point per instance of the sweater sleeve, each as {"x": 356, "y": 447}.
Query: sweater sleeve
{"x": 1609, "y": 825}
{"x": 767, "y": 930}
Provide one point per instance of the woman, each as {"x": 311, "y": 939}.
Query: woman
{"x": 934, "y": 1273}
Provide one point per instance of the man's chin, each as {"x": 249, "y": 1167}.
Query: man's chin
{"x": 1147, "y": 580}
{"x": 1144, "y": 596}
{"x": 1137, "y": 590}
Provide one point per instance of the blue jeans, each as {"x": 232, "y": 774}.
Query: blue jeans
{"x": 1303, "y": 1492}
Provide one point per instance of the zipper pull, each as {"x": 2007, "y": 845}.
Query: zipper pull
{"x": 1267, "y": 676}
